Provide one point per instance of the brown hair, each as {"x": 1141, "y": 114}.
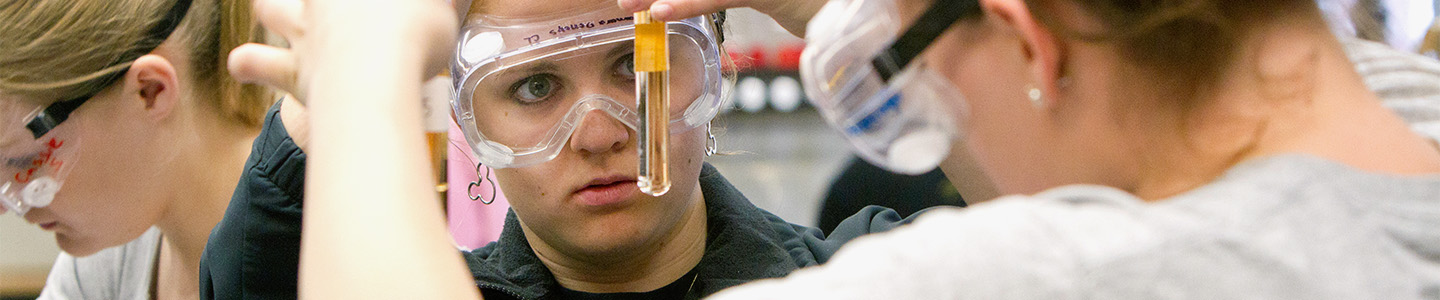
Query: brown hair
{"x": 1187, "y": 44}
{"x": 59, "y": 49}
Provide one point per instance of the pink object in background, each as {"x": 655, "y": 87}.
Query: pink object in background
{"x": 472, "y": 222}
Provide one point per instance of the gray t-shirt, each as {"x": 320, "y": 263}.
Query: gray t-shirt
{"x": 1284, "y": 227}
{"x": 122, "y": 272}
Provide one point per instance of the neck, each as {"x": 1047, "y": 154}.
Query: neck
{"x": 666, "y": 261}
{"x": 1308, "y": 100}
{"x": 206, "y": 174}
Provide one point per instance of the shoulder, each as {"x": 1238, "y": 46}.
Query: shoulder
{"x": 276, "y": 160}
{"x": 268, "y": 199}
{"x": 256, "y": 246}
{"x": 479, "y": 255}
{"x": 1266, "y": 230}
{"x": 121, "y": 272}
{"x": 1015, "y": 247}
{"x": 869, "y": 220}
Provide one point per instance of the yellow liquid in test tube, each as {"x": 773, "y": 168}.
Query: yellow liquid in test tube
{"x": 652, "y": 82}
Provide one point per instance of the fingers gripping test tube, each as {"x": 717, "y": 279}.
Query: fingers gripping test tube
{"x": 652, "y": 90}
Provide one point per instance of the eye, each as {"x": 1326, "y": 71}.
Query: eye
{"x": 625, "y": 66}
{"x": 534, "y": 88}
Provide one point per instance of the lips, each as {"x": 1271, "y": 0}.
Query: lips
{"x": 606, "y": 191}
{"x": 34, "y": 217}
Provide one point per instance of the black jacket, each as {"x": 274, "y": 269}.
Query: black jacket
{"x": 744, "y": 243}
{"x": 254, "y": 253}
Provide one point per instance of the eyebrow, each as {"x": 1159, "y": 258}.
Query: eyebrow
{"x": 620, "y": 48}
{"x": 544, "y": 66}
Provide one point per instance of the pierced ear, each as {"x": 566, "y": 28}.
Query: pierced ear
{"x": 1043, "y": 51}
{"x": 153, "y": 81}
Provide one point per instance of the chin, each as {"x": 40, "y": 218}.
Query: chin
{"x": 609, "y": 239}
{"x": 77, "y": 247}
{"x": 81, "y": 243}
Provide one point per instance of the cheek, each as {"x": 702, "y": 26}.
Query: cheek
{"x": 114, "y": 183}
{"x": 687, "y": 154}
{"x": 687, "y": 150}
{"x": 522, "y": 187}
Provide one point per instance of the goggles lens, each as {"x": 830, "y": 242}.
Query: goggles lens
{"x": 34, "y": 168}
{"x": 523, "y": 87}
{"x": 859, "y": 72}
{"x": 524, "y": 102}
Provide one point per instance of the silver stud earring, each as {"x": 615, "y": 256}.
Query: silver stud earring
{"x": 1037, "y": 98}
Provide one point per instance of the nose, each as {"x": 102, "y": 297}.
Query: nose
{"x": 598, "y": 132}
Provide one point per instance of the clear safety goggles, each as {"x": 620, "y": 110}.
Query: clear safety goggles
{"x": 36, "y": 152}
{"x": 523, "y": 84}
{"x": 858, "y": 70}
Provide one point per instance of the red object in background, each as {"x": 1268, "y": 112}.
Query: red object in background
{"x": 759, "y": 58}
{"x": 788, "y": 58}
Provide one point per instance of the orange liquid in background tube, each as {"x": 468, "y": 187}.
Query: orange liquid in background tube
{"x": 437, "y": 129}
{"x": 652, "y": 82}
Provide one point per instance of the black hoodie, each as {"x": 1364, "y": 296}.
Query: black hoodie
{"x": 743, "y": 243}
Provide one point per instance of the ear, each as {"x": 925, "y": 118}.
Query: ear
{"x": 1044, "y": 53}
{"x": 153, "y": 80}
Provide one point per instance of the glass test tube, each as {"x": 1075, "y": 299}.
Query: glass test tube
{"x": 437, "y": 93}
{"x": 652, "y": 95}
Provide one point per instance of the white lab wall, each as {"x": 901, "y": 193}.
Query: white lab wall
{"x": 26, "y": 253}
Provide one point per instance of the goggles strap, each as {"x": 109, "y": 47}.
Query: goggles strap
{"x": 59, "y": 111}
{"x": 921, "y": 34}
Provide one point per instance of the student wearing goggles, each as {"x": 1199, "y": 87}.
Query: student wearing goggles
{"x": 546, "y": 94}
{"x": 121, "y": 134}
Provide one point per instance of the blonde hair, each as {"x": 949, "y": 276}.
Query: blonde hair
{"x": 61, "y": 49}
